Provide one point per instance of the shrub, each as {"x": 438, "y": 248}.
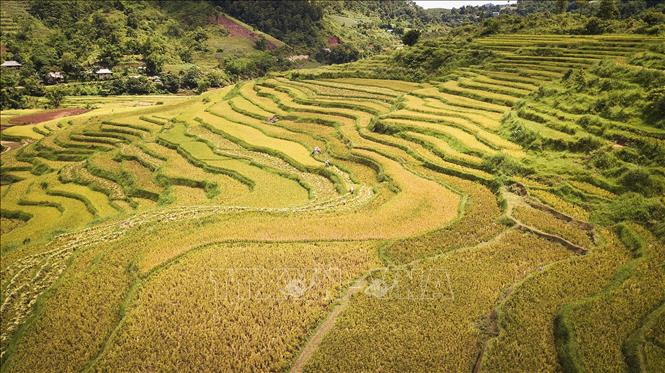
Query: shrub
{"x": 411, "y": 37}
{"x": 640, "y": 181}
{"x": 593, "y": 27}
{"x": 504, "y": 165}
{"x": 170, "y": 82}
{"x": 630, "y": 207}
{"x": 655, "y": 106}
{"x": 261, "y": 44}
{"x": 12, "y": 98}
{"x": 55, "y": 97}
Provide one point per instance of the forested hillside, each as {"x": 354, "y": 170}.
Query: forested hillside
{"x": 189, "y": 44}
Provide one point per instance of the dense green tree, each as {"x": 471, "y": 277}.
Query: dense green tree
{"x": 608, "y": 9}
{"x": 561, "y": 6}
{"x": 170, "y": 82}
{"x": 33, "y": 86}
{"x": 190, "y": 77}
{"x": 12, "y": 98}
{"x": 110, "y": 55}
{"x": 55, "y": 97}
{"x": 340, "y": 54}
{"x": 138, "y": 85}
{"x": 154, "y": 63}
{"x": 70, "y": 64}
{"x": 411, "y": 37}
{"x": 279, "y": 18}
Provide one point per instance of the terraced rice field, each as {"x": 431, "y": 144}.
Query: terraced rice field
{"x": 337, "y": 224}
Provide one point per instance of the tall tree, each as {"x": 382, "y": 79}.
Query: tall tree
{"x": 608, "y": 9}
{"x": 411, "y": 37}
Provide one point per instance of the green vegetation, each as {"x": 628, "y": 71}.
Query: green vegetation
{"x": 485, "y": 199}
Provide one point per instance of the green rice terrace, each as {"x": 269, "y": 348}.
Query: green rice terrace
{"x": 322, "y": 220}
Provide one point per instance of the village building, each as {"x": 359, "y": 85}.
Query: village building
{"x": 11, "y": 64}
{"x": 155, "y": 79}
{"x": 54, "y": 77}
{"x": 103, "y": 74}
{"x": 299, "y": 57}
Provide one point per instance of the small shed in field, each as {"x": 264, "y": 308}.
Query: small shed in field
{"x": 54, "y": 77}
{"x": 11, "y": 64}
{"x": 298, "y": 58}
{"x": 103, "y": 74}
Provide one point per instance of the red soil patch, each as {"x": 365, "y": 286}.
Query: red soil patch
{"x": 334, "y": 41}
{"x": 235, "y": 29}
{"x": 43, "y": 116}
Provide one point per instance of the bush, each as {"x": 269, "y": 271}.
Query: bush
{"x": 55, "y": 97}
{"x": 594, "y": 26}
{"x": 170, "y": 82}
{"x": 630, "y": 207}
{"x": 202, "y": 85}
{"x": 12, "y": 98}
{"x": 504, "y": 165}
{"x": 640, "y": 181}
{"x": 655, "y": 106}
{"x": 411, "y": 37}
{"x": 261, "y": 44}
{"x": 340, "y": 54}
{"x": 191, "y": 77}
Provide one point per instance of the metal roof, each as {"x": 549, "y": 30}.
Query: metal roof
{"x": 11, "y": 64}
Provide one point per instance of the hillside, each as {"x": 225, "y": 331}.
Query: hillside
{"x": 503, "y": 177}
{"x": 476, "y": 201}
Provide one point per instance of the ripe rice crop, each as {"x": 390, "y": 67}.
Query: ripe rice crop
{"x": 467, "y": 282}
{"x": 212, "y": 289}
{"x": 526, "y": 317}
{"x": 560, "y": 204}
{"x": 549, "y": 224}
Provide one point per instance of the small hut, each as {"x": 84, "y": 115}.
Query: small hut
{"x": 11, "y": 64}
{"x": 54, "y": 77}
{"x": 103, "y": 74}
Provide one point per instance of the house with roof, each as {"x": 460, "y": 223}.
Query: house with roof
{"x": 11, "y": 64}
{"x": 103, "y": 74}
{"x": 298, "y": 58}
{"x": 54, "y": 77}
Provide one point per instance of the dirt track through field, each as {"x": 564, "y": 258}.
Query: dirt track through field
{"x": 315, "y": 340}
{"x": 10, "y": 145}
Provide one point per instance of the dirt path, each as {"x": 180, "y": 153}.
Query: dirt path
{"x": 325, "y": 327}
{"x": 10, "y": 145}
